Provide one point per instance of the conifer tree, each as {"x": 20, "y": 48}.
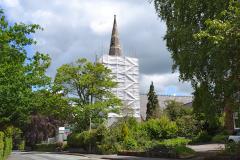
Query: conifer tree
{"x": 153, "y": 108}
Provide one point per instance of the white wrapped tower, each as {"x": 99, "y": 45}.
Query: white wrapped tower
{"x": 126, "y": 72}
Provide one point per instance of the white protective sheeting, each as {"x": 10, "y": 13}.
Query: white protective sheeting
{"x": 126, "y": 73}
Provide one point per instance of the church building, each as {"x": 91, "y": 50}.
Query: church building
{"x": 126, "y": 72}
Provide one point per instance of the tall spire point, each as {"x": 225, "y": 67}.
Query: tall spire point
{"x": 115, "y": 48}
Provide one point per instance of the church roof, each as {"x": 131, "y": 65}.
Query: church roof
{"x": 115, "y": 48}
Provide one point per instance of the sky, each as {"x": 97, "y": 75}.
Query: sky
{"x": 82, "y": 29}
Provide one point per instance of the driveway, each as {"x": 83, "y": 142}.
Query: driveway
{"x": 207, "y": 147}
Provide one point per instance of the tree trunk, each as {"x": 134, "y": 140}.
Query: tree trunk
{"x": 228, "y": 117}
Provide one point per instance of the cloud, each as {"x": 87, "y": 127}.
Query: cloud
{"x": 82, "y": 28}
{"x": 165, "y": 84}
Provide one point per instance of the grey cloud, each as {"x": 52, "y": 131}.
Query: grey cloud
{"x": 69, "y": 31}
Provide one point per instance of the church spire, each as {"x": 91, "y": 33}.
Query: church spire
{"x": 115, "y": 48}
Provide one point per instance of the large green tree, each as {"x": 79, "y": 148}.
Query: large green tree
{"x": 153, "y": 108}
{"x": 222, "y": 35}
{"x": 20, "y": 74}
{"x": 202, "y": 37}
{"x": 88, "y": 86}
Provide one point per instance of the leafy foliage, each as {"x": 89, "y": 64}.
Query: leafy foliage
{"x": 19, "y": 73}
{"x": 203, "y": 38}
{"x": 202, "y": 137}
{"x": 188, "y": 126}
{"x": 161, "y": 128}
{"x": 40, "y": 128}
{"x": 88, "y": 86}
{"x": 6, "y": 143}
{"x": 175, "y": 142}
{"x": 183, "y": 151}
{"x": 45, "y": 147}
{"x": 232, "y": 148}
{"x": 176, "y": 110}
{"x": 1, "y": 145}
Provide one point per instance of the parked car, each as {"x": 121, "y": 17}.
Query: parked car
{"x": 235, "y": 137}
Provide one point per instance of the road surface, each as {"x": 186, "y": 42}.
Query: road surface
{"x": 43, "y": 156}
{"x": 54, "y": 156}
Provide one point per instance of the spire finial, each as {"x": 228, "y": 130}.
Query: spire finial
{"x": 115, "y": 48}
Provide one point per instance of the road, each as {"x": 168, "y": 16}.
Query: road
{"x": 54, "y": 156}
{"x": 43, "y": 156}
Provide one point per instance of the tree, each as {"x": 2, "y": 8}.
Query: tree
{"x": 222, "y": 35}
{"x": 88, "y": 87}
{"x": 202, "y": 37}
{"x": 27, "y": 98}
{"x": 19, "y": 73}
{"x": 48, "y": 112}
{"x": 153, "y": 108}
{"x": 176, "y": 110}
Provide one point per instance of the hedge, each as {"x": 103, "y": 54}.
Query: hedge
{"x": 52, "y": 147}
{"x": 5, "y": 144}
{"x": 7, "y": 147}
{"x": 1, "y": 145}
{"x": 45, "y": 147}
{"x": 83, "y": 140}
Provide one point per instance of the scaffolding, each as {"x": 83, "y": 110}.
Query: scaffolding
{"x": 125, "y": 71}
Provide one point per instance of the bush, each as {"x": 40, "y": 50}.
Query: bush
{"x": 161, "y": 128}
{"x": 74, "y": 140}
{"x": 126, "y": 134}
{"x": 129, "y": 143}
{"x": 21, "y": 145}
{"x": 232, "y": 148}
{"x": 7, "y": 147}
{"x": 1, "y": 145}
{"x": 86, "y": 140}
{"x": 6, "y": 143}
{"x": 202, "y": 137}
{"x": 45, "y": 147}
{"x": 187, "y": 126}
{"x": 175, "y": 142}
{"x": 52, "y": 147}
{"x": 183, "y": 151}
{"x": 219, "y": 138}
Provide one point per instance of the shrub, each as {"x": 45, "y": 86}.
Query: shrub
{"x": 183, "y": 151}
{"x": 232, "y": 148}
{"x": 219, "y": 138}
{"x": 7, "y": 147}
{"x": 86, "y": 140}
{"x": 161, "y": 128}
{"x": 175, "y": 142}
{"x": 1, "y": 145}
{"x": 187, "y": 126}
{"x": 129, "y": 143}
{"x": 45, "y": 147}
{"x": 202, "y": 137}
{"x": 21, "y": 145}
{"x": 74, "y": 140}
{"x": 101, "y": 131}
{"x": 107, "y": 148}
